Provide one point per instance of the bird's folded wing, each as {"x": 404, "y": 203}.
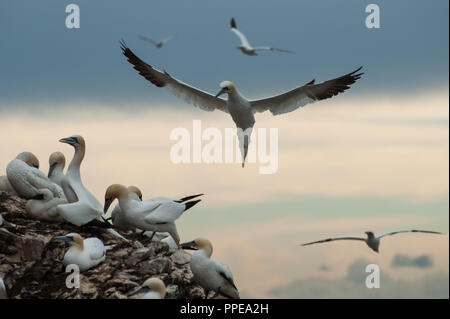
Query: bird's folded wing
{"x": 336, "y": 238}
{"x": 165, "y": 213}
{"x": 305, "y": 94}
{"x": 96, "y": 248}
{"x": 408, "y": 231}
{"x": 189, "y": 94}
{"x": 225, "y": 273}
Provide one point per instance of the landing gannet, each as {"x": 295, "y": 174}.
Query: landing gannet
{"x": 56, "y": 162}
{"x": 154, "y": 288}
{"x": 371, "y": 240}
{"x": 26, "y": 178}
{"x": 85, "y": 253}
{"x": 82, "y": 206}
{"x": 156, "y": 214}
{"x": 245, "y": 46}
{"x": 242, "y": 110}
{"x": 157, "y": 44}
{"x": 209, "y": 273}
{"x": 46, "y": 208}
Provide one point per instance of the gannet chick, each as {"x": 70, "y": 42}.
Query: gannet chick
{"x": 56, "y": 162}
{"x": 82, "y": 206}
{"x": 371, "y": 240}
{"x": 153, "y": 287}
{"x": 26, "y": 178}
{"x": 46, "y": 208}
{"x": 241, "y": 109}
{"x": 117, "y": 218}
{"x": 3, "y": 294}
{"x": 158, "y": 214}
{"x": 85, "y": 253}
{"x": 209, "y": 273}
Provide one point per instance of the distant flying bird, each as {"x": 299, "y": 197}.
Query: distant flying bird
{"x": 157, "y": 44}
{"x": 245, "y": 46}
{"x": 372, "y": 241}
{"x": 242, "y": 110}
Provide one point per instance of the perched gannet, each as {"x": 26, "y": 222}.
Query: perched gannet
{"x": 3, "y": 294}
{"x": 209, "y": 273}
{"x": 242, "y": 110}
{"x": 371, "y": 240}
{"x": 56, "y": 162}
{"x": 82, "y": 206}
{"x": 245, "y": 46}
{"x": 156, "y": 214}
{"x": 46, "y": 208}
{"x": 157, "y": 44}
{"x": 117, "y": 217}
{"x": 26, "y": 178}
{"x": 85, "y": 253}
{"x": 154, "y": 288}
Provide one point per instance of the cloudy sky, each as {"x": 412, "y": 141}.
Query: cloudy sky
{"x": 374, "y": 158}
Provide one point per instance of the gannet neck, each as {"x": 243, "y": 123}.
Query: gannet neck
{"x": 56, "y": 162}
{"x": 135, "y": 190}
{"x": 204, "y": 246}
{"x": 78, "y": 241}
{"x": 75, "y": 164}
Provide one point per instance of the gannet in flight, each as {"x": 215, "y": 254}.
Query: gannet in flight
{"x": 82, "y": 206}
{"x": 154, "y": 288}
{"x": 85, "y": 253}
{"x": 371, "y": 240}
{"x": 157, "y": 44}
{"x": 56, "y": 162}
{"x": 156, "y": 214}
{"x": 26, "y": 178}
{"x": 209, "y": 273}
{"x": 242, "y": 110}
{"x": 46, "y": 208}
{"x": 245, "y": 46}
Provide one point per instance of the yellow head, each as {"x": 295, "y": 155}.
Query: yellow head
{"x": 29, "y": 158}
{"x": 137, "y": 191}
{"x": 75, "y": 140}
{"x": 112, "y": 192}
{"x": 199, "y": 244}
{"x": 226, "y": 87}
{"x": 73, "y": 239}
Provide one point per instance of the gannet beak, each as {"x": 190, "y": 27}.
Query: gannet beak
{"x": 138, "y": 290}
{"x": 222, "y": 91}
{"x": 108, "y": 203}
{"x": 51, "y": 169}
{"x": 64, "y": 238}
{"x": 192, "y": 245}
{"x": 68, "y": 140}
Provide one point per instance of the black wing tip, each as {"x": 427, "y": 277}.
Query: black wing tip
{"x": 191, "y": 204}
{"x": 233, "y": 23}
{"x": 311, "y": 82}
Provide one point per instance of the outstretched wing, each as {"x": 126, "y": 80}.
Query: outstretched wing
{"x": 332, "y": 239}
{"x": 272, "y": 49}
{"x": 147, "y": 39}
{"x": 181, "y": 90}
{"x": 244, "y": 41}
{"x": 309, "y": 93}
{"x": 408, "y": 231}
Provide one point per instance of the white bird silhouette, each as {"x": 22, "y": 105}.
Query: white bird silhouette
{"x": 241, "y": 109}
{"x": 371, "y": 240}
{"x": 245, "y": 46}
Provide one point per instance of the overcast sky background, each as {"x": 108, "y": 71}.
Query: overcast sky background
{"x": 373, "y": 158}
{"x": 44, "y": 61}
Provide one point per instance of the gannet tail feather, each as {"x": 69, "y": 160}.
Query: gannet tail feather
{"x": 191, "y": 204}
